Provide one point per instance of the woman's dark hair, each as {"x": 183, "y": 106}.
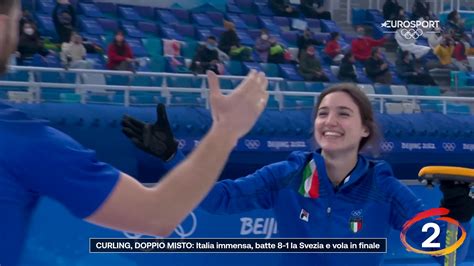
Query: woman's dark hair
{"x": 452, "y": 15}
{"x": 372, "y": 141}
{"x": 120, "y": 48}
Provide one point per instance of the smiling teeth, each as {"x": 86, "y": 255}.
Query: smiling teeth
{"x": 330, "y": 133}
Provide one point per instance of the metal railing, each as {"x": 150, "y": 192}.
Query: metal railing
{"x": 34, "y": 87}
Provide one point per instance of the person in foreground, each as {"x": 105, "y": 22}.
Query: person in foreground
{"x": 40, "y": 161}
{"x": 332, "y": 192}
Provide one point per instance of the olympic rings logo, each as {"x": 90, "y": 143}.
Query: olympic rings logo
{"x": 449, "y": 146}
{"x": 387, "y": 146}
{"x": 252, "y": 144}
{"x": 411, "y": 33}
{"x": 427, "y": 243}
{"x": 181, "y": 230}
{"x": 181, "y": 143}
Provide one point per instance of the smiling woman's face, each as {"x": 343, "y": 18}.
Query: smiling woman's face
{"x": 9, "y": 16}
{"x": 338, "y": 124}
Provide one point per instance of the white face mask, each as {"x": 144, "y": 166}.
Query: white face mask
{"x": 264, "y": 37}
{"x": 29, "y": 31}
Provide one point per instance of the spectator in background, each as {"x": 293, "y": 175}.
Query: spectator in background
{"x": 444, "y": 52}
{"x": 363, "y": 45}
{"x": 434, "y": 37}
{"x": 421, "y": 9}
{"x": 305, "y": 40}
{"x": 25, "y": 17}
{"x": 409, "y": 44}
{"x": 229, "y": 43}
{"x": 30, "y": 43}
{"x": 346, "y": 69}
{"x": 333, "y": 48}
{"x": 282, "y": 8}
{"x": 73, "y": 53}
{"x": 391, "y": 9}
{"x": 206, "y": 57}
{"x": 460, "y": 56}
{"x": 406, "y": 68}
{"x": 455, "y": 25}
{"x": 263, "y": 44}
{"x": 120, "y": 54}
{"x": 310, "y": 67}
{"x": 277, "y": 52}
{"x": 377, "y": 69}
{"x": 314, "y": 9}
{"x": 64, "y": 18}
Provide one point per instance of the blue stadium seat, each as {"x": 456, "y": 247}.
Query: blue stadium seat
{"x": 382, "y": 89}
{"x": 238, "y": 22}
{"x": 99, "y": 62}
{"x": 358, "y": 16}
{"x": 137, "y": 47}
{"x": 95, "y": 39}
{"x": 108, "y": 9}
{"x": 203, "y": 33}
{"x": 263, "y": 9}
{"x": 271, "y": 70}
{"x": 251, "y": 65}
{"x": 153, "y": 46}
{"x": 157, "y": 63}
{"x": 145, "y": 12}
{"x": 46, "y": 26}
{"x": 183, "y": 82}
{"x": 282, "y": 22}
{"x": 188, "y": 49}
{"x": 217, "y": 31}
{"x": 295, "y": 86}
{"x": 314, "y": 86}
{"x": 245, "y": 38}
{"x": 149, "y": 28}
{"x": 329, "y": 26}
{"x": 176, "y": 65}
{"x": 313, "y": 24}
{"x": 216, "y": 17}
{"x": 90, "y": 25}
{"x": 234, "y": 67}
{"x": 245, "y": 5}
{"x": 182, "y": 15}
{"x": 231, "y": 7}
{"x": 90, "y": 10}
{"x": 298, "y": 102}
{"x": 203, "y": 20}
{"x": 226, "y": 84}
{"x": 108, "y": 24}
{"x": 374, "y": 15}
{"x": 166, "y": 16}
{"x": 45, "y": 7}
{"x": 267, "y": 23}
{"x": 131, "y": 30}
{"x": 289, "y": 71}
{"x": 251, "y": 20}
{"x": 290, "y": 37}
{"x": 170, "y": 33}
{"x": 185, "y": 30}
{"x": 129, "y": 13}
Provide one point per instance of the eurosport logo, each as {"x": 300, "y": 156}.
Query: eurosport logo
{"x": 252, "y": 144}
{"x": 387, "y": 146}
{"x": 449, "y": 146}
{"x": 410, "y": 29}
{"x": 183, "y": 230}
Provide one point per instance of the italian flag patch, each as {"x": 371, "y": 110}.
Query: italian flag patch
{"x": 309, "y": 187}
{"x": 356, "y": 225}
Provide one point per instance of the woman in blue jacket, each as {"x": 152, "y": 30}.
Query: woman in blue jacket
{"x": 331, "y": 192}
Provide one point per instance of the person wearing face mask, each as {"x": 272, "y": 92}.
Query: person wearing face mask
{"x": 362, "y": 45}
{"x": 321, "y": 193}
{"x": 64, "y": 19}
{"x": 376, "y": 68}
{"x": 407, "y": 69}
{"x": 310, "y": 67}
{"x": 30, "y": 43}
{"x": 262, "y": 45}
{"x": 305, "y": 40}
{"x": 206, "y": 57}
{"x": 73, "y": 54}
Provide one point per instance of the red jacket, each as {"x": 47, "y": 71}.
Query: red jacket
{"x": 332, "y": 48}
{"x": 362, "y": 47}
{"x": 114, "y": 58}
{"x": 459, "y": 52}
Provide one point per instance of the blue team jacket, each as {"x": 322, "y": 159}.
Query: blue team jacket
{"x": 371, "y": 196}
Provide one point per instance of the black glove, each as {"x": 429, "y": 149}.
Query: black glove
{"x": 156, "y": 139}
{"x": 457, "y": 200}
